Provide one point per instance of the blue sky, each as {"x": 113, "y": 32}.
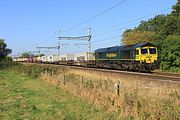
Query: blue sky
{"x": 26, "y": 23}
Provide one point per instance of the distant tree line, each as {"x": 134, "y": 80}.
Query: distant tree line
{"x": 27, "y": 55}
{"x": 164, "y": 31}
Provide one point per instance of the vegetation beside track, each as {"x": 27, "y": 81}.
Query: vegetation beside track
{"x": 137, "y": 99}
{"x": 24, "y": 97}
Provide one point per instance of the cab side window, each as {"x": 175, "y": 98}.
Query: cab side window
{"x": 137, "y": 52}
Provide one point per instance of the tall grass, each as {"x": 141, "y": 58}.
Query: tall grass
{"x": 138, "y": 98}
{"x": 7, "y": 64}
{"x": 26, "y": 98}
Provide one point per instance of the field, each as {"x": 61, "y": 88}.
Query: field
{"x": 52, "y": 92}
{"x": 24, "y": 97}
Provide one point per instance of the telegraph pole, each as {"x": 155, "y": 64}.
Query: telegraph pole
{"x": 89, "y": 40}
{"x": 59, "y": 44}
{"x": 38, "y": 49}
{"x": 59, "y": 48}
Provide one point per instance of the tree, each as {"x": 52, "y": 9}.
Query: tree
{"x": 154, "y": 24}
{"x": 41, "y": 55}
{"x": 25, "y": 55}
{"x": 149, "y": 31}
{"x": 3, "y": 50}
{"x": 176, "y": 9}
{"x": 165, "y": 31}
{"x": 132, "y": 37}
{"x": 170, "y": 55}
{"x": 170, "y": 26}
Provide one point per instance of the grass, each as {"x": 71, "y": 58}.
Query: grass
{"x": 23, "y": 97}
{"x": 139, "y": 98}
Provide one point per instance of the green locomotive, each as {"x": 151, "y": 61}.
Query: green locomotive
{"x": 137, "y": 57}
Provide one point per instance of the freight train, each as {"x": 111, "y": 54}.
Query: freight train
{"x": 141, "y": 57}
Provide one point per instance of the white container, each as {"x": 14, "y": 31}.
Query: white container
{"x": 38, "y": 58}
{"x": 25, "y": 59}
{"x": 53, "y": 58}
{"x": 63, "y": 57}
{"x": 83, "y": 56}
{"x": 44, "y": 59}
{"x": 15, "y": 59}
{"x": 20, "y": 59}
{"x": 70, "y": 57}
{"x": 67, "y": 57}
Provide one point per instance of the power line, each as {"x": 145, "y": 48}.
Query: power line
{"x": 130, "y": 21}
{"x": 105, "y": 33}
{"x": 99, "y": 14}
{"x": 97, "y": 41}
{"x": 80, "y": 38}
{"x": 108, "y": 42}
{"x": 49, "y": 47}
{"x": 137, "y": 19}
{"x": 120, "y": 27}
{"x": 115, "y": 26}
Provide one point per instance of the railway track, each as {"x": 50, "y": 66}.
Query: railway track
{"x": 157, "y": 76}
{"x": 167, "y": 74}
{"x": 154, "y": 75}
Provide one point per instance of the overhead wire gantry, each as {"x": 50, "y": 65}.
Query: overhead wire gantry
{"x": 49, "y": 47}
{"x": 80, "y": 38}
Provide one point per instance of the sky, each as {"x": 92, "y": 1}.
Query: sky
{"x": 26, "y": 24}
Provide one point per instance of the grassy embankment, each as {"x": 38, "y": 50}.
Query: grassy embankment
{"x": 138, "y": 99}
{"x": 24, "y": 97}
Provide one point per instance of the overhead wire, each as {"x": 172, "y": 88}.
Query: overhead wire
{"x": 118, "y": 27}
{"x": 86, "y": 21}
{"x": 113, "y": 37}
{"x": 97, "y": 15}
{"x": 128, "y": 22}
{"x": 121, "y": 27}
{"x": 105, "y": 33}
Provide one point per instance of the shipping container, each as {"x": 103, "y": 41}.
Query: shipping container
{"x": 53, "y": 58}
{"x": 83, "y": 56}
{"x": 63, "y": 57}
{"x": 44, "y": 59}
{"x": 70, "y": 57}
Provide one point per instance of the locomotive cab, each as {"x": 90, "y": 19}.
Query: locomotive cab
{"x": 147, "y": 54}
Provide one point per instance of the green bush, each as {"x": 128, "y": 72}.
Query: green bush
{"x": 7, "y": 64}
{"x": 170, "y": 54}
{"x": 175, "y": 69}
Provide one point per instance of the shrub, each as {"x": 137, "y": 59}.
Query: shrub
{"x": 170, "y": 55}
